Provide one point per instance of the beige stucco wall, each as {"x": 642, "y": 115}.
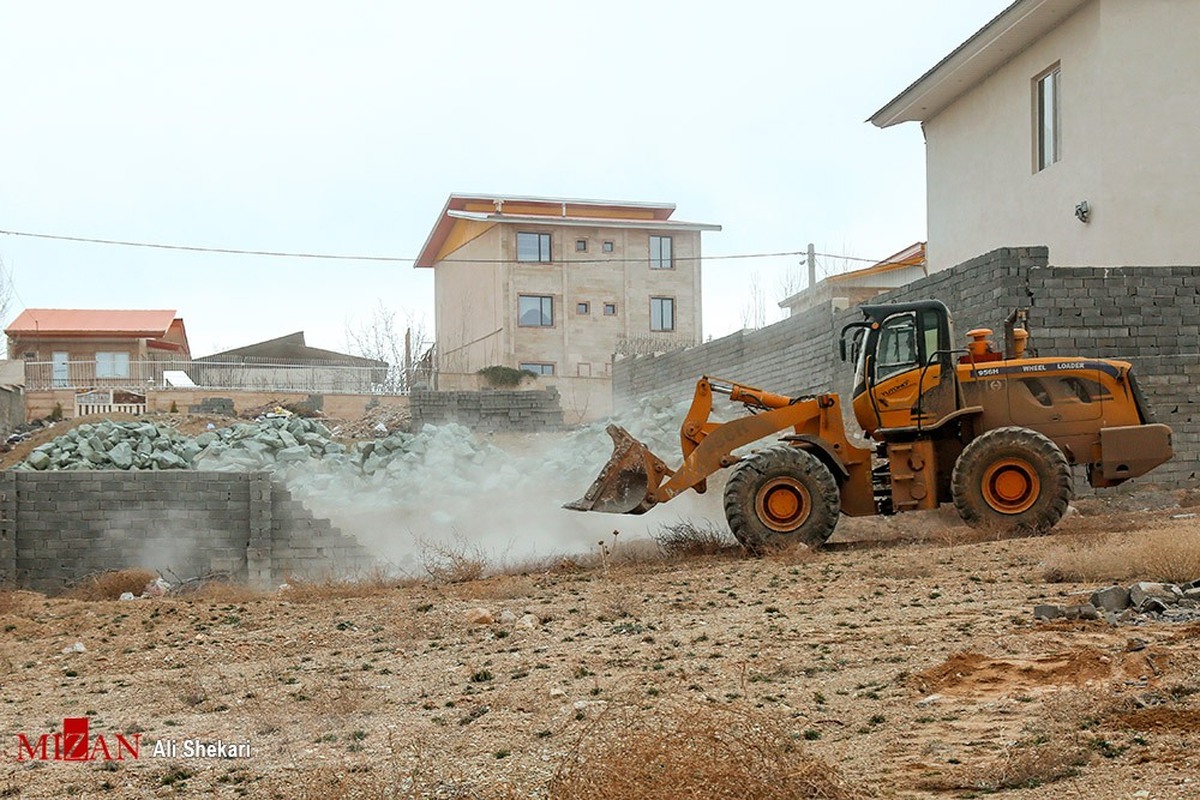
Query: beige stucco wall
{"x": 480, "y": 301}
{"x": 1130, "y": 110}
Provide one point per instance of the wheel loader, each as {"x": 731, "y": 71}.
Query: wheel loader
{"x": 995, "y": 433}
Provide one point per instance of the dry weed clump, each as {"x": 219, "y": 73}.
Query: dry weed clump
{"x": 686, "y": 539}
{"x": 111, "y": 585}
{"x": 453, "y": 562}
{"x": 708, "y": 751}
{"x": 1167, "y": 555}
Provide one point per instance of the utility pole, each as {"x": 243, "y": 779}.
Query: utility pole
{"x": 812, "y": 265}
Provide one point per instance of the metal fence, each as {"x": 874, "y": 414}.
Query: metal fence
{"x": 274, "y": 376}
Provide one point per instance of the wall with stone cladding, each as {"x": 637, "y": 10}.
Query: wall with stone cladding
{"x": 489, "y": 409}
{"x": 1147, "y": 315}
{"x": 57, "y": 527}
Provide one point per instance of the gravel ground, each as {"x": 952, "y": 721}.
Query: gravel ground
{"x": 916, "y": 669}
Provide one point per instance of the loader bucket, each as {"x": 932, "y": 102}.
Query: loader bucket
{"x": 627, "y": 482}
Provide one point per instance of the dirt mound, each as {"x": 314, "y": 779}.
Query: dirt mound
{"x": 973, "y": 674}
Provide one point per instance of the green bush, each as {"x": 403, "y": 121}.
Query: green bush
{"x": 504, "y": 376}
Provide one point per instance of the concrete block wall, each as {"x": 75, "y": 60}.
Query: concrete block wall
{"x": 489, "y": 409}
{"x": 1147, "y": 315}
{"x": 58, "y": 527}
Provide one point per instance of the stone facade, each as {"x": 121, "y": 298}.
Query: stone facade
{"x": 58, "y": 527}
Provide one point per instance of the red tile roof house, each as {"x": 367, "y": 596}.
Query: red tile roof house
{"x": 93, "y": 348}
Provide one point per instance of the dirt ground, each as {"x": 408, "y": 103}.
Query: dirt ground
{"x": 913, "y": 669}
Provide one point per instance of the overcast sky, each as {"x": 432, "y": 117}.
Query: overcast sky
{"x": 342, "y": 127}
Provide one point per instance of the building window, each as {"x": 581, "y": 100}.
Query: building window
{"x": 661, "y": 256}
{"x": 583, "y": 308}
{"x": 583, "y": 369}
{"x": 610, "y": 309}
{"x": 535, "y": 311}
{"x": 112, "y": 365}
{"x": 581, "y": 245}
{"x": 1049, "y": 118}
{"x": 536, "y": 367}
{"x": 662, "y": 313}
{"x": 607, "y": 247}
{"x": 31, "y": 356}
{"x": 533, "y": 247}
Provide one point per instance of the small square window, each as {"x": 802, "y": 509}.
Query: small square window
{"x": 581, "y": 245}
{"x": 583, "y": 308}
{"x": 610, "y": 309}
{"x": 607, "y": 247}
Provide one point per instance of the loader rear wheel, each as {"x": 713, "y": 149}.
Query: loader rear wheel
{"x": 780, "y": 495}
{"x": 1014, "y": 479}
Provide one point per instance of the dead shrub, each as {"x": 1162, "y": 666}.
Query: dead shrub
{"x": 111, "y": 585}
{"x": 686, "y": 539}
{"x": 453, "y": 562}
{"x": 1167, "y": 555}
{"x": 705, "y": 751}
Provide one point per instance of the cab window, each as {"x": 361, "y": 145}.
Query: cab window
{"x": 897, "y": 350}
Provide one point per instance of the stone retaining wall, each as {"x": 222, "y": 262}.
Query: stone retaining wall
{"x": 58, "y": 527}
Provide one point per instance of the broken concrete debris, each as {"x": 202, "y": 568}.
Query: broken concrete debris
{"x": 1137, "y": 603}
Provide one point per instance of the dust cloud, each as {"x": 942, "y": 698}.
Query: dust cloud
{"x": 499, "y": 497}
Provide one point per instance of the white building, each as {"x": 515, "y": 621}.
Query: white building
{"x": 1067, "y": 123}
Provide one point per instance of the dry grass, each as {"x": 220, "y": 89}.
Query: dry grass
{"x": 1053, "y": 748}
{"x": 687, "y": 539}
{"x": 111, "y": 585}
{"x": 222, "y": 591}
{"x": 372, "y": 584}
{"x": 500, "y": 587}
{"x": 706, "y": 751}
{"x": 1165, "y": 555}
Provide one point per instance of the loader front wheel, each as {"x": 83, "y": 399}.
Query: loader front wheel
{"x": 780, "y": 495}
{"x": 1013, "y": 479}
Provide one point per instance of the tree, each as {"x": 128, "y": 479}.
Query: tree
{"x": 402, "y": 347}
{"x": 6, "y": 291}
{"x": 754, "y": 313}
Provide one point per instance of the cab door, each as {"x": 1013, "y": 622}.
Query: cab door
{"x": 906, "y": 375}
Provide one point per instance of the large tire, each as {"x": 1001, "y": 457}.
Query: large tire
{"x": 780, "y": 495}
{"x": 1012, "y": 479}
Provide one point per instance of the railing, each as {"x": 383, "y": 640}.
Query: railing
{"x": 648, "y": 345}
{"x": 277, "y": 376}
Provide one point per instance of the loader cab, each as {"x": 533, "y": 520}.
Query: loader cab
{"x": 904, "y": 373}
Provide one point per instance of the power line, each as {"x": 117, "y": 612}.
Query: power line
{"x": 397, "y": 259}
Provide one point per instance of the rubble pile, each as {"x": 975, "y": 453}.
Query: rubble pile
{"x": 114, "y": 445}
{"x": 1135, "y": 604}
{"x": 269, "y": 444}
{"x": 440, "y": 474}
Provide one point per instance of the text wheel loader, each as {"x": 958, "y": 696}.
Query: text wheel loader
{"x": 994, "y": 433}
